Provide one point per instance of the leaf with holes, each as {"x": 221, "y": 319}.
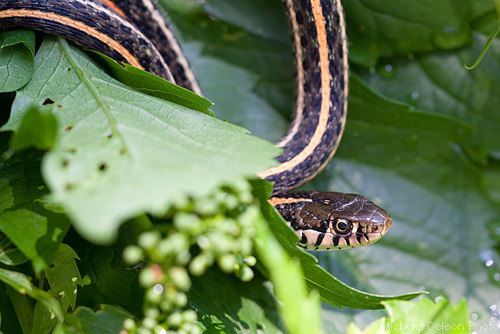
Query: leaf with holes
{"x": 120, "y": 152}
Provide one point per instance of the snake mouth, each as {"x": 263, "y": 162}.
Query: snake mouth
{"x": 311, "y": 239}
{"x": 387, "y": 225}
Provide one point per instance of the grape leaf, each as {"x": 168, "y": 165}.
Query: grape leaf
{"x": 63, "y": 276}
{"x": 120, "y": 152}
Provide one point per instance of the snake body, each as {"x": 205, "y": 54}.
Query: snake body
{"x": 135, "y": 32}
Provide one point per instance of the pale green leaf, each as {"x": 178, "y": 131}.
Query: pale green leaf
{"x": 121, "y": 152}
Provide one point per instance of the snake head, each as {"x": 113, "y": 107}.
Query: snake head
{"x": 328, "y": 221}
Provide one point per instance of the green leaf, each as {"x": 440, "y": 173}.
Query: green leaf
{"x": 17, "y": 49}
{"x": 121, "y": 152}
{"x": 243, "y": 13}
{"x": 109, "y": 319}
{"x": 63, "y": 276}
{"x": 438, "y": 83}
{"x": 299, "y": 309}
{"x": 391, "y": 28}
{"x": 8, "y": 317}
{"x": 14, "y": 37}
{"x": 227, "y": 305}
{"x": 37, "y": 129}
{"x": 155, "y": 86}
{"x": 21, "y": 283}
{"x": 43, "y": 320}
{"x": 35, "y": 231}
{"x": 12, "y": 257}
{"x": 107, "y": 264}
{"x": 427, "y": 317}
{"x": 23, "y": 308}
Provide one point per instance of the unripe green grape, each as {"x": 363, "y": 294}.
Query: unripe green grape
{"x": 181, "y": 299}
{"x": 245, "y": 245}
{"x": 146, "y": 278}
{"x": 222, "y": 243}
{"x": 149, "y": 323}
{"x": 180, "y": 278}
{"x": 183, "y": 257}
{"x": 129, "y": 324}
{"x": 206, "y": 206}
{"x": 250, "y": 261}
{"x": 149, "y": 240}
{"x": 132, "y": 254}
{"x": 198, "y": 265}
{"x": 246, "y": 274}
{"x": 152, "y": 297}
{"x": 187, "y": 222}
{"x": 142, "y": 330}
{"x": 189, "y": 316}
{"x": 175, "y": 319}
{"x": 227, "y": 262}
{"x": 152, "y": 312}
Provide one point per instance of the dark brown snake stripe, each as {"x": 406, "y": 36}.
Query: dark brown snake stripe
{"x": 134, "y": 31}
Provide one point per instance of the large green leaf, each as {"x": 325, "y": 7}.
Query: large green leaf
{"x": 120, "y": 152}
{"x": 409, "y": 150}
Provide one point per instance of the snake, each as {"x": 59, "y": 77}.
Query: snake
{"x": 136, "y": 32}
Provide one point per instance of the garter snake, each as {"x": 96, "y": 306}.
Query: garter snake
{"x": 135, "y": 32}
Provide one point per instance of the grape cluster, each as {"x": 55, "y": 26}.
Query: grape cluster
{"x": 198, "y": 233}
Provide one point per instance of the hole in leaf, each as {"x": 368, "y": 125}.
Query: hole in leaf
{"x": 47, "y": 101}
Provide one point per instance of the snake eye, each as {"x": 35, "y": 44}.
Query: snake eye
{"x": 342, "y": 226}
